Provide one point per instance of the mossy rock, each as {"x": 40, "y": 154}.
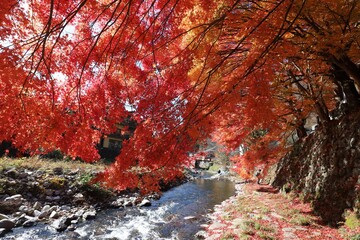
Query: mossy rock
{"x": 57, "y": 182}
{"x": 96, "y": 192}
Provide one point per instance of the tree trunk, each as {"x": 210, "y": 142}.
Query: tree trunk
{"x": 346, "y": 64}
{"x": 348, "y": 89}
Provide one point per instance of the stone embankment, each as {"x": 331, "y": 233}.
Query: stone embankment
{"x": 60, "y": 198}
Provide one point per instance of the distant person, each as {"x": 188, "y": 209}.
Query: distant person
{"x": 258, "y": 176}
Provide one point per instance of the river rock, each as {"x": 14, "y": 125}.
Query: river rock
{"x": 49, "y": 192}
{"x": 10, "y": 204}
{"x": 52, "y": 199}
{"x": 36, "y": 213}
{"x": 43, "y": 214}
{"x": 128, "y": 203}
{"x": 61, "y": 224}
{"x": 189, "y": 217}
{"x": 54, "y": 214}
{"x": 13, "y": 173}
{"x": 72, "y": 227}
{"x": 23, "y": 175}
{"x": 53, "y": 208}
{"x": 65, "y": 208}
{"x": 45, "y": 208}
{"x": 3, "y": 216}
{"x": 7, "y": 224}
{"x": 16, "y": 199}
{"x": 145, "y": 203}
{"x": 3, "y": 231}
{"x": 89, "y": 215}
{"x": 58, "y": 171}
{"x": 79, "y": 198}
{"x": 117, "y": 203}
{"x": 201, "y": 235}
{"x": 79, "y": 213}
{"x": 29, "y": 223}
{"x": 23, "y": 208}
{"x": 20, "y": 220}
{"x": 18, "y": 214}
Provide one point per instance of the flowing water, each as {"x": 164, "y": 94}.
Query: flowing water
{"x": 178, "y": 214}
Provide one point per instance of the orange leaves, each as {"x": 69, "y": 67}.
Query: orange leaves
{"x": 72, "y": 70}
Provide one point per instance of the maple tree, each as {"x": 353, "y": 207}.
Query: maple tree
{"x": 188, "y": 70}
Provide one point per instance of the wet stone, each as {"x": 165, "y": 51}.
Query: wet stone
{"x": 89, "y": 215}
{"x": 7, "y": 224}
{"x": 29, "y": 223}
{"x": 3, "y": 216}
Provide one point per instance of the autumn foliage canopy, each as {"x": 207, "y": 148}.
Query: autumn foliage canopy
{"x": 243, "y": 72}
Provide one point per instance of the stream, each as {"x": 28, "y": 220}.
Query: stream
{"x": 178, "y": 214}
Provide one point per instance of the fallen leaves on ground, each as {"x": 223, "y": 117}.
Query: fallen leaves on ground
{"x": 261, "y": 212}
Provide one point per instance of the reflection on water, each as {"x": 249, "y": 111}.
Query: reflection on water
{"x": 177, "y": 215}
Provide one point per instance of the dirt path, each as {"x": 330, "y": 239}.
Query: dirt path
{"x": 261, "y": 212}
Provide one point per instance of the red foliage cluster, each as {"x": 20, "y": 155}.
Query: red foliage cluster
{"x": 71, "y": 70}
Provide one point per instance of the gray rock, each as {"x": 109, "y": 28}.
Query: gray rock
{"x": 128, "y": 203}
{"x": 74, "y": 172}
{"x": 23, "y": 175}
{"x": 37, "y": 206}
{"x": 13, "y": 173}
{"x": 79, "y": 213}
{"x": 72, "y": 227}
{"x": 46, "y": 184}
{"x": 65, "y": 208}
{"x": 43, "y": 215}
{"x": 14, "y": 198}
{"x": 49, "y": 192}
{"x": 61, "y": 224}
{"x": 52, "y": 199}
{"x": 23, "y": 208}
{"x": 3, "y": 216}
{"x": 58, "y": 171}
{"x": 89, "y": 215}
{"x": 54, "y": 214}
{"x": 36, "y": 213}
{"x": 76, "y": 221}
{"x": 79, "y": 197}
{"x": 117, "y": 203}
{"x": 45, "y": 208}
{"x": 57, "y": 192}
{"x": 20, "y": 220}
{"x": 54, "y": 208}
{"x": 3, "y": 231}
{"x": 145, "y": 203}
{"x": 29, "y": 223}
{"x": 201, "y": 235}
{"x": 7, "y": 224}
